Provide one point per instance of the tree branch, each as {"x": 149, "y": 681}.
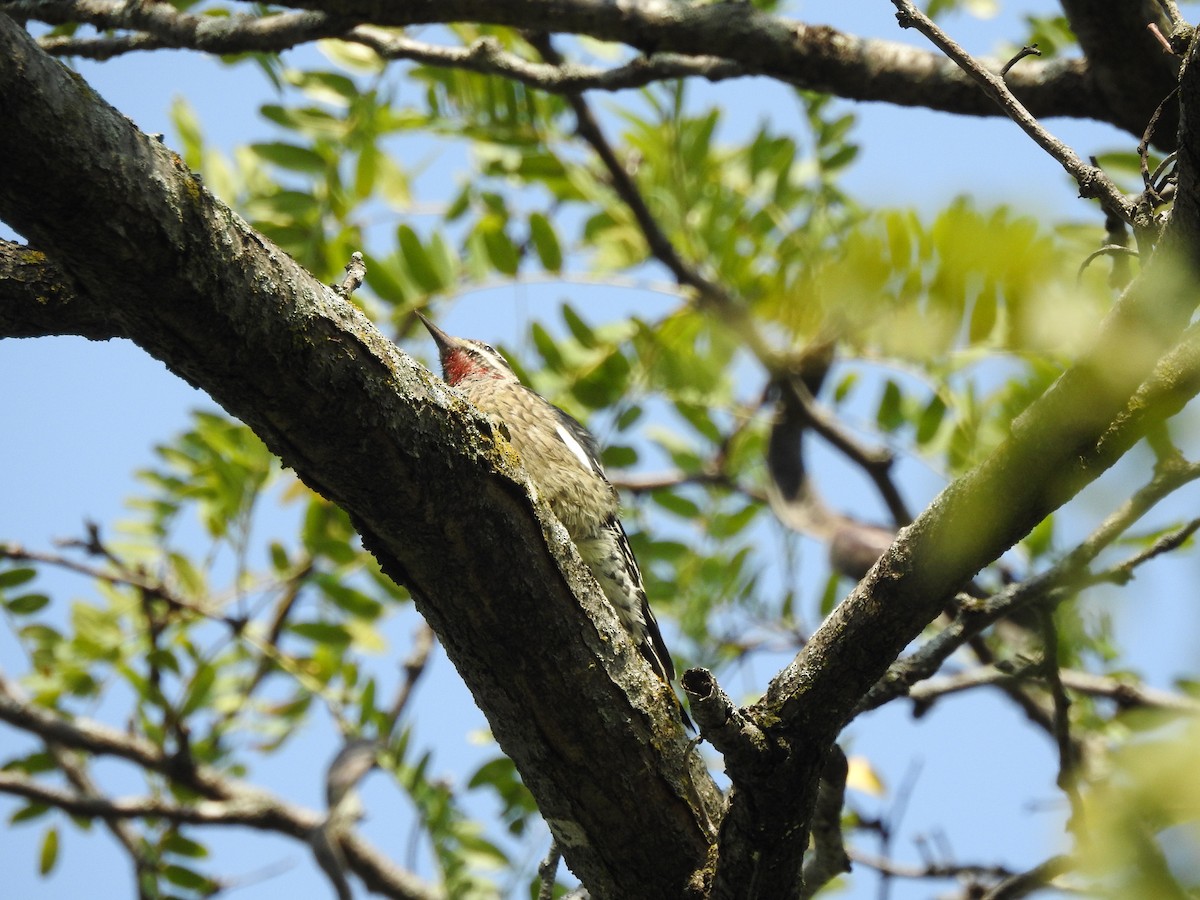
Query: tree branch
{"x": 744, "y": 40}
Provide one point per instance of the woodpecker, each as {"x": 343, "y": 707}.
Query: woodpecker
{"x": 563, "y": 460}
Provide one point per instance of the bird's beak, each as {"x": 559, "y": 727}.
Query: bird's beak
{"x": 443, "y": 340}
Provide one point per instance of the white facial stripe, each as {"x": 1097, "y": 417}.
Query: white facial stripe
{"x": 574, "y": 446}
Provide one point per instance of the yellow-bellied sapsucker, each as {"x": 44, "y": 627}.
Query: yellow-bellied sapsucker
{"x": 563, "y": 461}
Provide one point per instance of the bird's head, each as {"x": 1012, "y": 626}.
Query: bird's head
{"x": 467, "y": 360}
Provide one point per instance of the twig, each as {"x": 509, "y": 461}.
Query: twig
{"x": 1143, "y": 147}
{"x": 1122, "y": 572}
{"x": 486, "y": 56}
{"x": 1068, "y": 752}
{"x": 123, "y": 578}
{"x": 1025, "y": 883}
{"x": 929, "y": 870}
{"x": 1106, "y": 250}
{"x": 1029, "y": 50}
{"x": 1125, "y": 694}
{"x": 356, "y": 271}
{"x": 548, "y": 871}
{"x": 1153, "y": 28}
{"x": 1092, "y": 181}
{"x": 414, "y": 668}
{"x": 1172, "y": 12}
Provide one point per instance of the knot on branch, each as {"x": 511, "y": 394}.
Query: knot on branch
{"x": 743, "y": 743}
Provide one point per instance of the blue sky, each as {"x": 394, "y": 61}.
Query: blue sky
{"x": 80, "y": 417}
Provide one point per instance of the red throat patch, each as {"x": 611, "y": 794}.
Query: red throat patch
{"x": 459, "y": 364}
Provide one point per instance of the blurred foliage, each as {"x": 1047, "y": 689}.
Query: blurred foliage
{"x": 947, "y": 327}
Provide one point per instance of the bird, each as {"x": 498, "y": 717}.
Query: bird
{"x": 563, "y": 461}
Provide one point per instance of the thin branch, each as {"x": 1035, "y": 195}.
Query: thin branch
{"x": 414, "y": 668}
{"x": 77, "y": 774}
{"x": 548, "y": 871}
{"x": 1068, "y": 751}
{"x": 1025, "y": 883}
{"x": 930, "y": 870}
{"x": 486, "y": 56}
{"x": 1092, "y": 181}
{"x": 1123, "y": 571}
{"x": 1031, "y": 50}
{"x": 124, "y": 578}
{"x": 201, "y": 812}
{"x": 159, "y": 25}
{"x": 1125, "y": 694}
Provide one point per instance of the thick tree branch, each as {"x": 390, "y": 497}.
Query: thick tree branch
{"x": 437, "y": 496}
{"x": 816, "y": 57}
{"x": 38, "y": 298}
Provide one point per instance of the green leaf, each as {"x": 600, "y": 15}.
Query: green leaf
{"x": 417, "y": 261}
{"x": 830, "y": 595}
{"x": 345, "y": 597}
{"x": 890, "y": 415}
{"x": 11, "y": 578}
{"x": 28, "y": 813}
{"x": 930, "y": 420}
{"x": 291, "y": 157}
{"x": 26, "y": 604}
{"x": 178, "y": 844}
{"x": 322, "y": 633}
{"x": 501, "y": 251}
{"x": 580, "y": 329}
{"x": 545, "y": 242}
{"x": 183, "y": 877}
{"x": 48, "y": 856}
{"x": 200, "y": 690}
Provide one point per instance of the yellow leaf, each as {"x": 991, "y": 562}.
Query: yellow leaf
{"x": 863, "y": 778}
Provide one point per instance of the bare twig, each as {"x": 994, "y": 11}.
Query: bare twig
{"x": 1143, "y": 147}
{"x": 1106, "y": 250}
{"x": 1152, "y": 27}
{"x": 1125, "y": 694}
{"x": 356, "y": 271}
{"x": 1030, "y": 50}
{"x": 1025, "y": 883}
{"x": 548, "y": 871}
{"x": 929, "y": 870}
{"x": 486, "y": 56}
{"x": 1068, "y": 751}
{"x": 414, "y": 668}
